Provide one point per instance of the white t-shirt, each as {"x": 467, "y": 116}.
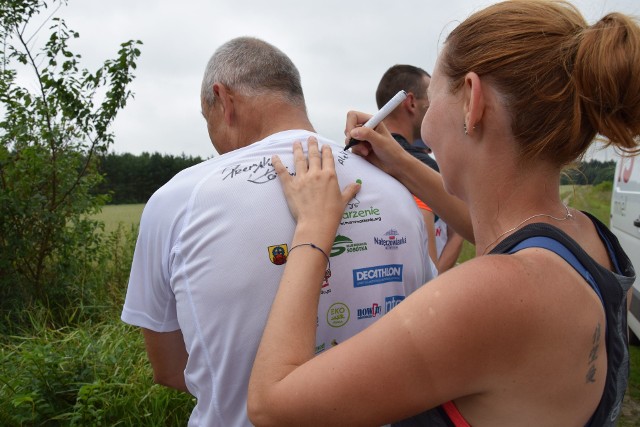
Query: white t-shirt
{"x": 441, "y": 235}
{"x": 211, "y": 250}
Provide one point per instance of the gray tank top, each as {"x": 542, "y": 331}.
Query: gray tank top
{"x": 612, "y": 289}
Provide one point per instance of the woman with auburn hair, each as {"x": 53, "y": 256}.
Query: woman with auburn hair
{"x": 532, "y": 331}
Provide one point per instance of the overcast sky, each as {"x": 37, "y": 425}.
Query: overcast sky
{"x": 341, "y": 48}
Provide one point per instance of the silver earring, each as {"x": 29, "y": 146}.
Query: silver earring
{"x": 465, "y": 129}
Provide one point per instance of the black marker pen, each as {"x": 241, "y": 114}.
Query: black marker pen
{"x": 380, "y": 115}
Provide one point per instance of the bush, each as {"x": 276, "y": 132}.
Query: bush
{"x": 51, "y": 130}
{"x": 92, "y": 372}
{"x": 93, "y": 290}
{"x": 86, "y": 375}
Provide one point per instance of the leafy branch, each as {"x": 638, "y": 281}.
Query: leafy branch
{"x": 49, "y": 139}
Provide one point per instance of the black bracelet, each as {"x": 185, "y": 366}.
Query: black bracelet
{"x": 327, "y": 273}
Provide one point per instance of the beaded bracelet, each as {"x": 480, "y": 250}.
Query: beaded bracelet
{"x": 327, "y": 273}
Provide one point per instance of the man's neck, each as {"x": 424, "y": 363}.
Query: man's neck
{"x": 270, "y": 119}
{"x": 403, "y": 129}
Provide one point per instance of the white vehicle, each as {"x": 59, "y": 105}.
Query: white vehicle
{"x": 625, "y": 224}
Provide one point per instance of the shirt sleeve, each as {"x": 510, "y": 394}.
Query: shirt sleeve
{"x": 150, "y": 302}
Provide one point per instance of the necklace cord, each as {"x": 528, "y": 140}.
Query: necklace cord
{"x": 566, "y": 217}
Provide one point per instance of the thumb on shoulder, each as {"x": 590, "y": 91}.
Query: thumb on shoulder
{"x": 350, "y": 192}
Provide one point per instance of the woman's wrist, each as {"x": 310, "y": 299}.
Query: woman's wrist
{"x": 320, "y": 234}
{"x": 325, "y": 254}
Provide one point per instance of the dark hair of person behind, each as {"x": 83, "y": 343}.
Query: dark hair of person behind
{"x": 401, "y": 77}
{"x": 563, "y": 81}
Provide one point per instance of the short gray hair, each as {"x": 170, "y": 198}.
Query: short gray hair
{"x": 252, "y": 67}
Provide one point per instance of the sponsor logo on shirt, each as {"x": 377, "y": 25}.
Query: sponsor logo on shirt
{"x": 278, "y": 253}
{"x": 320, "y": 348}
{"x": 338, "y": 315}
{"x": 343, "y": 244}
{"x": 376, "y": 275}
{"x": 354, "y": 214}
{"x": 391, "y": 239}
{"x": 353, "y": 203}
{"x": 392, "y": 301}
{"x": 325, "y": 287}
{"x": 369, "y": 312}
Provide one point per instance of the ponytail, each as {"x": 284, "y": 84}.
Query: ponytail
{"x": 607, "y": 76}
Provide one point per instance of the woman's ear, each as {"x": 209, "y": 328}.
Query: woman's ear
{"x": 474, "y": 104}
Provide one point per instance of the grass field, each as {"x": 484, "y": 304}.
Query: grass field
{"x": 114, "y": 215}
{"x": 631, "y": 409}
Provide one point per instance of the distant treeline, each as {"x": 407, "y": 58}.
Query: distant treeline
{"x": 592, "y": 172}
{"x": 133, "y": 179}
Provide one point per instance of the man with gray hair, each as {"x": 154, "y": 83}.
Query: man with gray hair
{"x": 214, "y": 240}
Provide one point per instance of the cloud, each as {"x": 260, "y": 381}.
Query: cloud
{"x": 341, "y": 48}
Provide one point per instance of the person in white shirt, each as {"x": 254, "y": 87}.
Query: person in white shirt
{"x": 214, "y": 240}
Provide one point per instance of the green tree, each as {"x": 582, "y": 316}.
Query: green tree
{"x": 592, "y": 172}
{"x": 133, "y": 179}
{"x": 52, "y": 128}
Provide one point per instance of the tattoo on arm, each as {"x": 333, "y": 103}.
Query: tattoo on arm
{"x": 593, "y": 356}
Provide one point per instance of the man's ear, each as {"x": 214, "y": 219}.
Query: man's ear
{"x": 227, "y": 101}
{"x": 474, "y": 103}
{"x": 410, "y": 102}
